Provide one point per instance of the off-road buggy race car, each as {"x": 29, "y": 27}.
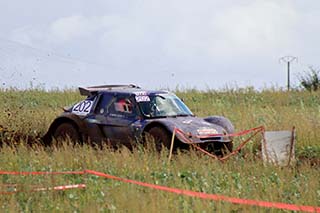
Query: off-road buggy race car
{"x": 126, "y": 114}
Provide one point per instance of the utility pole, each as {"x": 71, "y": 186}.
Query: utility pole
{"x": 288, "y": 59}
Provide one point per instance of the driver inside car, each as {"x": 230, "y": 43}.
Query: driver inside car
{"x": 123, "y": 105}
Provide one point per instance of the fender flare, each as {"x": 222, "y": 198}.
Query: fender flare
{"x": 224, "y": 123}
{"x": 167, "y": 127}
{"x": 66, "y": 118}
{"x": 158, "y": 124}
{"x": 221, "y": 121}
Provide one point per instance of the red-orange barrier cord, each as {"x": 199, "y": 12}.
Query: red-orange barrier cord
{"x": 215, "y": 197}
{"x": 201, "y": 195}
{"x": 35, "y": 189}
{"x": 43, "y": 173}
{"x": 54, "y": 188}
{"x": 245, "y": 132}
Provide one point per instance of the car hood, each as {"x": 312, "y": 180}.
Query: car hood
{"x": 195, "y": 129}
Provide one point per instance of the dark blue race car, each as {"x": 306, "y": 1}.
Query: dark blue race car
{"x": 126, "y": 114}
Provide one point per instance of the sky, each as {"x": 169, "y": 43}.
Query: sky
{"x": 157, "y": 43}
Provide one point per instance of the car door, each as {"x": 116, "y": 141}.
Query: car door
{"x": 120, "y": 115}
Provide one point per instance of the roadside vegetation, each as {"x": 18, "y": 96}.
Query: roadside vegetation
{"x": 26, "y": 115}
{"x": 310, "y": 80}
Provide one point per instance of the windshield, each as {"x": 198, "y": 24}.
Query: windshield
{"x": 162, "y": 105}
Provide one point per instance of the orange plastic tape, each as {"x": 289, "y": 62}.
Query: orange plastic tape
{"x": 61, "y": 188}
{"x": 277, "y": 205}
{"x": 215, "y": 197}
{"x": 237, "y": 134}
{"x": 43, "y": 173}
{"x": 54, "y": 188}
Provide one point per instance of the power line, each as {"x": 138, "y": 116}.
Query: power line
{"x": 51, "y": 53}
{"x": 15, "y": 54}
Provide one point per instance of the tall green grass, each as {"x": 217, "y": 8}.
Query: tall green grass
{"x": 236, "y": 178}
{"x": 29, "y": 113}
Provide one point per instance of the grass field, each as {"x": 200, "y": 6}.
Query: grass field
{"x": 26, "y": 115}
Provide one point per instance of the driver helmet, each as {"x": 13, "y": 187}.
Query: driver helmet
{"x": 123, "y": 105}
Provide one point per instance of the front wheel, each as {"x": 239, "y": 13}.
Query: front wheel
{"x": 219, "y": 149}
{"x": 160, "y": 138}
{"x": 66, "y": 132}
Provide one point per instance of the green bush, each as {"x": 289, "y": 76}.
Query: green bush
{"x": 311, "y": 80}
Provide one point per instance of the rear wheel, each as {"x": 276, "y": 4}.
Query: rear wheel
{"x": 66, "y": 132}
{"x": 160, "y": 138}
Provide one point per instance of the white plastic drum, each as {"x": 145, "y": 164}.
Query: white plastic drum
{"x": 278, "y": 147}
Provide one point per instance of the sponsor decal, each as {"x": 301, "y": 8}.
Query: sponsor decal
{"x": 207, "y": 131}
{"x": 142, "y": 96}
{"x": 187, "y": 121}
{"x": 142, "y": 93}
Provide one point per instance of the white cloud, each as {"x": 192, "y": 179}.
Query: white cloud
{"x": 259, "y": 26}
{"x": 68, "y": 28}
{"x": 182, "y": 28}
{"x": 244, "y": 30}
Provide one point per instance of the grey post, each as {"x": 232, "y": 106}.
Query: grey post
{"x": 288, "y": 60}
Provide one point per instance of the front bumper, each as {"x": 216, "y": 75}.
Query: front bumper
{"x": 198, "y": 139}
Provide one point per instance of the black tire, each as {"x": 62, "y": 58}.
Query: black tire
{"x": 66, "y": 132}
{"x": 160, "y": 137}
{"x": 217, "y": 148}
{"x": 228, "y": 146}
{"x": 222, "y": 149}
